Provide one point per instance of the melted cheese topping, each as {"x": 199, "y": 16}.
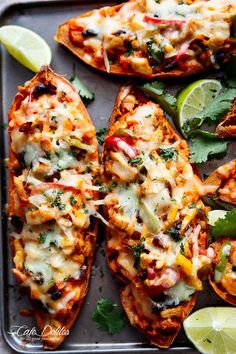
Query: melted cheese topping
{"x": 159, "y": 30}
{"x": 157, "y": 206}
{"x": 53, "y": 194}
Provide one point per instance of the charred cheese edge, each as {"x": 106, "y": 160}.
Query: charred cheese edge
{"x": 52, "y": 198}
{"x": 157, "y": 242}
{"x": 151, "y": 38}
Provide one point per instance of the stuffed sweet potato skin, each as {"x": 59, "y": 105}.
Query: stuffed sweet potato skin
{"x": 119, "y": 59}
{"x": 226, "y": 287}
{"x": 54, "y": 326}
{"x": 161, "y": 331}
{"x": 224, "y": 182}
{"x": 227, "y": 127}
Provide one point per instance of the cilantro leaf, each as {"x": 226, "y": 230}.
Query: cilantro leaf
{"x": 155, "y": 88}
{"x": 225, "y": 227}
{"x": 108, "y": 317}
{"x": 101, "y": 133}
{"x": 86, "y": 95}
{"x": 156, "y": 91}
{"x": 219, "y": 106}
{"x": 204, "y": 145}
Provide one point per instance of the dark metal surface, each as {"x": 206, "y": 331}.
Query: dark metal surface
{"x": 43, "y": 17}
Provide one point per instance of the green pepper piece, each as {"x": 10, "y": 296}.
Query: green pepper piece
{"x": 220, "y": 267}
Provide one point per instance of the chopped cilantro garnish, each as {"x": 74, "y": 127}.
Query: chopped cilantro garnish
{"x": 137, "y": 250}
{"x": 42, "y": 237}
{"x": 73, "y": 201}
{"x": 136, "y": 161}
{"x": 182, "y": 251}
{"x": 169, "y": 153}
{"x": 57, "y": 201}
{"x": 108, "y": 316}
{"x": 130, "y": 50}
{"x": 155, "y": 52}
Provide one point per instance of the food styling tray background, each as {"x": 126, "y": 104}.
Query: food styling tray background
{"x": 43, "y": 17}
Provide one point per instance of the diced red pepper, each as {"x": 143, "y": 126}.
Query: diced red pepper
{"x": 122, "y": 143}
{"x": 164, "y": 21}
{"x": 151, "y": 273}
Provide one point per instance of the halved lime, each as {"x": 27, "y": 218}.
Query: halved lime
{"x": 193, "y": 98}
{"x": 26, "y": 46}
{"x": 215, "y": 215}
{"x": 212, "y": 330}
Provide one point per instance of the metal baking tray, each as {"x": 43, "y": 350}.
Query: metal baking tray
{"x": 43, "y": 17}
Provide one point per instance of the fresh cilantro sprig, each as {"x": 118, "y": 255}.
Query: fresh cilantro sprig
{"x": 101, "y": 133}
{"x": 108, "y": 316}
{"x": 225, "y": 227}
{"x": 86, "y": 95}
{"x": 218, "y": 107}
{"x": 156, "y": 90}
{"x": 204, "y": 145}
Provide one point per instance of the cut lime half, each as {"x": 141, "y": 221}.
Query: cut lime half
{"x": 27, "y": 47}
{"x": 212, "y": 330}
{"x": 194, "y": 98}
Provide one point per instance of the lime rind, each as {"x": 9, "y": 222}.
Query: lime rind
{"x": 194, "y": 98}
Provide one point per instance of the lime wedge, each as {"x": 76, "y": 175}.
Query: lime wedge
{"x": 26, "y": 46}
{"x": 212, "y": 330}
{"x": 215, "y": 215}
{"x": 193, "y": 98}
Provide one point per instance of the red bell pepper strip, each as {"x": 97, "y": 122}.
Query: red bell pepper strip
{"x": 164, "y": 21}
{"x": 123, "y": 143}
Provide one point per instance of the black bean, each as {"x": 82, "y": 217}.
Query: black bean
{"x": 56, "y": 295}
{"x": 219, "y": 57}
{"x": 41, "y": 89}
{"x": 89, "y": 33}
{"x": 118, "y": 33}
{"x": 234, "y": 268}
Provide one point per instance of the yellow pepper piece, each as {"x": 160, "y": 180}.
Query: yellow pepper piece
{"x": 172, "y": 214}
{"x": 194, "y": 282}
{"x": 187, "y": 219}
{"x": 185, "y": 264}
